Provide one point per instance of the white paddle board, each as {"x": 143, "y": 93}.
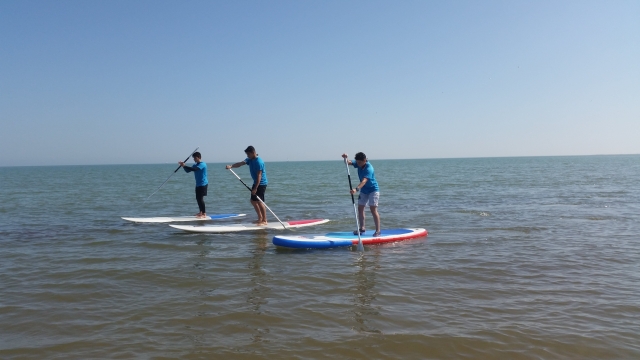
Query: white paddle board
{"x": 249, "y": 227}
{"x": 182, "y": 218}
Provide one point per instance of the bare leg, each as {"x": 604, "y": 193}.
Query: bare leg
{"x": 376, "y": 217}
{"x": 361, "y": 216}
{"x": 263, "y": 212}
{"x": 256, "y": 207}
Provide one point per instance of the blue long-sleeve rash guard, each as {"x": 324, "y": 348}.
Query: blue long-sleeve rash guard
{"x": 200, "y": 173}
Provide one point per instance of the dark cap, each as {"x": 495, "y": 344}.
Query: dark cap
{"x": 250, "y": 149}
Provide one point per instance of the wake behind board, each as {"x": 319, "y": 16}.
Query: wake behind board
{"x": 249, "y": 227}
{"x": 182, "y": 218}
{"x": 337, "y": 239}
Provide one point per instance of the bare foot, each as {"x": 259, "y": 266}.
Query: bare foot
{"x": 263, "y": 223}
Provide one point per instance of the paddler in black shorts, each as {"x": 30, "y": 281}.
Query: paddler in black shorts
{"x": 259, "y": 176}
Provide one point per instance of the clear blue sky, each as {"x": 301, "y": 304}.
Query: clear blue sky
{"x": 103, "y": 82}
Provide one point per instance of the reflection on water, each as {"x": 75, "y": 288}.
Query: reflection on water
{"x": 367, "y": 264}
{"x": 200, "y": 264}
{"x": 259, "y": 291}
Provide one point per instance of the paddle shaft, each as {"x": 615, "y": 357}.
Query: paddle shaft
{"x": 258, "y": 197}
{"x": 174, "y": 171}
{"x": 355, "y": 209}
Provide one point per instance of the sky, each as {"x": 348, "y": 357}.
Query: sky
{"x": 135, "y": 82}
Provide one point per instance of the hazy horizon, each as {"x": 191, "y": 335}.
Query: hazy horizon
{"x": 326, "y": 160}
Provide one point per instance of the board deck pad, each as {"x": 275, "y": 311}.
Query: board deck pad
{"x": 347, "y": 238}
{"x": 291, "y": 224}
{"x": 182, "y": 218}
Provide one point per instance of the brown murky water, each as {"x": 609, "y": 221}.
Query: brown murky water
{"x": 527, "y": 258}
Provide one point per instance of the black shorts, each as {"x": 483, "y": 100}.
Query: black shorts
{"x": 201, "y": 191}
{"x": 259, "y": 193}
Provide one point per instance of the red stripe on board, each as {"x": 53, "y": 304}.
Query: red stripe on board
{"x": 300, "y": 222}
{"x": 391, "y": 238}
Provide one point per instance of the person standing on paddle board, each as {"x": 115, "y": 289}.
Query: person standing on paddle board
{"x": 369, "y": 191}
{"x": 259, "y": 176}
{"x": 200, "y": 171}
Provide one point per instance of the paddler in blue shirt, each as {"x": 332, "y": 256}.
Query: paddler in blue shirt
{"x": 200, "y": 172}
{"x": 369, "y": 191}
{"x": 259, "y": 176}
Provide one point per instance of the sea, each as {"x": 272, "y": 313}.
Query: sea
{"x": 526, "y": 258}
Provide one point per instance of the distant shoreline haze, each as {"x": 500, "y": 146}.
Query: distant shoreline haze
{"x": 327, "y": 160}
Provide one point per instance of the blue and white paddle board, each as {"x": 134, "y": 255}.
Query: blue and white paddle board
{"x": 182, "y": 218}
{"x": 337, "y": 239}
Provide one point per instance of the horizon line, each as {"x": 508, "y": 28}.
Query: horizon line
{"x": 280, "y": 161}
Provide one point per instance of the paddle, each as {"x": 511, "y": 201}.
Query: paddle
{"x": 265, "y": 205}
{"x": 174, "y": 171}
{"x": 355, "y": 210}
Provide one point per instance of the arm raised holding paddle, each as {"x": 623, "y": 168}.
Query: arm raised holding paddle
{"x": 174, "y": 171}
{"x": 200, "y": 172}
{"x": 362, "y": 183}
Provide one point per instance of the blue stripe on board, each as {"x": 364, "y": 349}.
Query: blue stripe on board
{"x": 310, "y": 244}
{"x": 222, "y": 216}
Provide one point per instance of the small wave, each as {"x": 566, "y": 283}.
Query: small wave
{"x": 523, "y": 229}
{"x": 474, "y": 212}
